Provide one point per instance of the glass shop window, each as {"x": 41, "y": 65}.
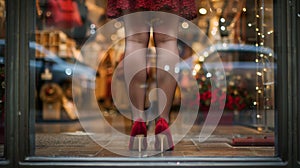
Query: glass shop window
{"x": 82, "y": 107}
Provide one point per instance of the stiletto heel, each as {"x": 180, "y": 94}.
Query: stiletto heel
{"x": 138, "y": 136}
{"x": 163, "y": 137}
{"x": 162, "y": 140}
{"x": 138, "y": 143}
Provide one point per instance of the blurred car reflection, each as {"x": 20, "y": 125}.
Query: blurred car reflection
{"x": 246, "y": 61}
{"x": 53, "y": 69}
{"x": 61, "y": 70}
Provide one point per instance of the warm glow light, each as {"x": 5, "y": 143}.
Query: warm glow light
{"x": 194, "y": 73}
{"x": 208, "y": 75}
{"x": 223, "y": 28}
{"x": 92, "y": 26}
{"x": 167, "y": 67}
{"x": 177, "y": 70}
{"x": 216, "y": 23}
{"x": 222, "y": 20}
{"x": 201, "y": 58}
{"x": 202, "y": 11}
{"x": 214, "y": 32}
{"x": 117, "y": 25}
{"x": 258, "y": 73}
{"x": 197, "y": 67}
{"x": 113, "y": 37}
{"x": 185, "y": 25}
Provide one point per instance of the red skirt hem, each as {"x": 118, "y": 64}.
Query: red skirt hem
{"x": 183, "y": 8}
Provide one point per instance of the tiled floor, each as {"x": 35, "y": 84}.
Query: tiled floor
{"x": 69, "y": 139}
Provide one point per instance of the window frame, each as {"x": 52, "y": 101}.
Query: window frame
{"x": 297, "y": 82}
{"x": 20, "y": 121}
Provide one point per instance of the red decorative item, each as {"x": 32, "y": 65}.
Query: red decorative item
{"x": 63, "y": 14}
{"x": 253, "y": 141}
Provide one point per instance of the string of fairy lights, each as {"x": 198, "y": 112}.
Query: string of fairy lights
{"x": 264, "y": 84}
{"x": 262, "y": 26}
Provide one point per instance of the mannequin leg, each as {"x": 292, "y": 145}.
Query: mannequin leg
{"x": 137, "y": 38}
{"x": 165, "y": 37}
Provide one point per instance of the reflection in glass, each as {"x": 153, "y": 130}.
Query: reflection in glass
{"x": 240, "y": 33}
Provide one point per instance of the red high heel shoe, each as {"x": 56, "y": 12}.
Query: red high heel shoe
{"x": 138, "y": 140}
{"x": 163, "y": 137}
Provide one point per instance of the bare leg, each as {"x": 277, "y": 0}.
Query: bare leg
{"x": 165, "y": 37}
{"x": 137, "y": 38}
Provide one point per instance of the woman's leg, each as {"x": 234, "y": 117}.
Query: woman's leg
{"x": 165, "y": 37}
{"x": 137, "y": 38}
